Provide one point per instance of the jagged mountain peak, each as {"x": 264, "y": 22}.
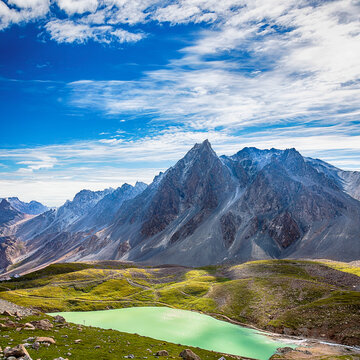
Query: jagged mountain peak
{"x": 200, "y": 158}
{"x": 205, "y": 145}
{"x": 33, "y": 207}
{"x": 140, "y": 185}
{"x": 256, "y": 154}
{"x": 125, "y": 186}
{"x": 292, "y": 154}
{"x": 100, "y": 213}
{"x": 87, "y": 194}
{"x": 8, "y": 213}
{"x": 198, "y": 180}
{"x": 83, "y": 201}
{"x": 200, "y": 150}
{"x": 4, "y": 204}
{"x": 157, "y": 179}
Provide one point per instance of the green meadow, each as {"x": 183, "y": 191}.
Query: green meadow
{"x": 305, "y": 298}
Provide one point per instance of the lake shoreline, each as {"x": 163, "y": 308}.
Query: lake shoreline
{"x": 303, "y": 343}
{"x": 189, "y": 328}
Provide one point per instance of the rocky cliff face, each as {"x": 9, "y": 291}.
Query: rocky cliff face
{"x": 10, "y": 248}
{"x": 256, "y": 204}
{"x": 198, "y": 181}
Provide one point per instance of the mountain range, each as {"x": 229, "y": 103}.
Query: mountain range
{"x": 206, "y": 209}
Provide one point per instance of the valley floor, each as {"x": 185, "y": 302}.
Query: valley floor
{"x": 310, "y": 299}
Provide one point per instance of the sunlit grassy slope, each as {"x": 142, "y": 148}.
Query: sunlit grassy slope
{"x": 343, "y": 267}
{"x": 295, "y": 297}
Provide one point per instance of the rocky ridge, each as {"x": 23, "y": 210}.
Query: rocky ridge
{"x": 206, "y": 209}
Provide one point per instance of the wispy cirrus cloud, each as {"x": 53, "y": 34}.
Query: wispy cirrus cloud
{"x": 78, "y": 7}
{"x": 104, "y": 19}
{"x": 21, "y": 11}
{"x": 67, "y": 31}
{"x": 263, "y": 63}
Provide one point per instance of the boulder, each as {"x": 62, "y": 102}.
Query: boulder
{"x": 17, "y": 352}
{"x": 11, "y": 324}
{"x": 44, "y": 324}
{"x": 7, "y": 313}
{"x": 36, "y": 345}
{"x": 30, "y": 339}
{"x": 187, "y": 354}
{"x": 284, "y": 350}
{"x": 162, "y": 353}
{"x": 44, "y": 339}
{"x": 59, "y": 319}
{"x": 29, "y": 326}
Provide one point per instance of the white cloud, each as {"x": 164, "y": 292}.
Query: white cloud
{"x": 77, "y": 6}
{"x": 126, "y": 36}
{"x": 130, "y": 12}
{"x": 234, "y": 20}
{"x": 67, "y": 31}
{"x": 41, "y": 162}
{"x": 300, "y": 62}
{"x": 196, "y": 11}
{"x": 18, "y": 11}
{"x": 29, "y": 4}
{"x": 177, "y": 13}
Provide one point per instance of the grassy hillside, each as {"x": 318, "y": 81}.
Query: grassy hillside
{"x": 306, "y": 298}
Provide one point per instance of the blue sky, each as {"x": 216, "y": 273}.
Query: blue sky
{"x": 94, "y": 93}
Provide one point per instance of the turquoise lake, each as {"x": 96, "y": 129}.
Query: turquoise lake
{"x": 181, "y": 327}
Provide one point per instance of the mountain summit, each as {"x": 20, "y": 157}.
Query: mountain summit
{"x": 255, "y": 204}
{"x": 32, "y": 208}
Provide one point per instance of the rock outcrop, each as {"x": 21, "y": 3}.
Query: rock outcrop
{"x": 188, "y": 354}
